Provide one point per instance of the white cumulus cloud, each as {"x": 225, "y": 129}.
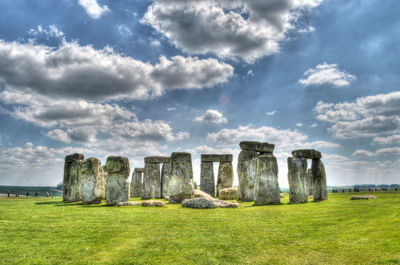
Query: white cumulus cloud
{"x": 212, "y": 116}
{"x": 93, "y": 9}
{"x": 327, "y": 74}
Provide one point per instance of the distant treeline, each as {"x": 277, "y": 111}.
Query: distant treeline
{"x": 22, "y": 190}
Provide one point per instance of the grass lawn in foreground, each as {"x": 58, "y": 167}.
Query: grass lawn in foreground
{"x": 337, "y": 231}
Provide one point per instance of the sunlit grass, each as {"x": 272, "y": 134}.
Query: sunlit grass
{"x": 337, "y": 231}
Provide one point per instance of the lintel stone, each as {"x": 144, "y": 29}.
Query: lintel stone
{"x": 157, "y": 159}
{"x": 139, "y": 170}
{"x": 216, "y": 158}
{"x": 307, "y": 153}
{"x": 257, "y": 146}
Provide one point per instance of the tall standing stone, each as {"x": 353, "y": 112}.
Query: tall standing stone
{"x": 180, "y": 185}
{"x": 297, "y": 177}
{"x": 266, "y": 184}
{"x": 151, "y": 179}
{"x": 118, "y": 186}
{"x": 72, "y": 181}
{"x": 165, "y": 176}
{"x": 310, "y": 182}
{"x": 246, "y": 170}
{"x": 320, "y": 191}
{"x": 136, "y": 182}
{"x": 207, "y": 182}
{"x": 225, "y": 176}
{"x": 93, "y": 184}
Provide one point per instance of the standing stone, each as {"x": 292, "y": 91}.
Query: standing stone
{"x": 72, "y": 181}
{"x": 151, "y": 178}
{"x": 297, "y": 177}
{"x": 118, "y": 186}
{"x": 165, "y": 175}
{"x": 319, "y": 178}
{"x": 93, "y": 184}
{"x": 207, "y": 183}
{"x": 136, "y": 183}
{"x": 180, "y": 185}
{"x": 310, "y": 182}
{"x": 225, "y": 176}
{"x": 246, "y": 170}
{"x": 266, "y": 184}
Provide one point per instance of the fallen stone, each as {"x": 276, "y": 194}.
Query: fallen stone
{"x": 72, "y": 181}
{"x": 201, "y": 194}
{"x": 282, "y": 195}
{"x": 118, "y": 185}
{"x": 266, "y": 184}
{"x": 307, "y": 153}
{"x": 151, "y": 180}
{"x": 198, "y": 203}
{"x": 225, "y": 176}
{"x": 216, "y": 158}
{"x": 93, "y": 184}
{"x": 129, "y": 204}
{"x": 165, "y": 175}
{"x": 363, "y": 197}
{"x": 297, "y": 179}
{"x": 246, "y": 171}
{"x": 207, "y": 183}
{"x": 320, "y": 189}
{"x": 180, "y": 185}
{"x": 257, "y": 146}
{"x": 157, "y": 159}
{"x": 228, "y": 194}
{"x": 153, "y": 203}
{"x": 225, "y": 204}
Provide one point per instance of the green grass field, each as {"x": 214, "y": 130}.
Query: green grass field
{"x": 337, "y": 231}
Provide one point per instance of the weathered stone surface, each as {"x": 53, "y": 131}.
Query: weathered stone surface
{"x": 201, "y": 194}
{"x": 73, "y": 157}
{"x": 198, "y": 203}
{"x": 363, "y": 197}
{"x": 151, "y": 180}
{"x": 257, "y": 146}
{"x": 216, "y": 158}
{"x": 297, "y": 178}
{"x": 93, "y": 184}
{"x": 153, "y": 203}
{"x": 246, "y": 170}
{"x": 137, "y": 182}
{"x": 225, "y": 204}
{"x": 72, "y": 181}
{"x": 194, "y": 185}
{"x": 319, "y": 179}
{"x": 225, "y": 176}
{"x": 207, "y": 183}
{"x": 180, "y": 184}
{"x": 165, "y": 175}
{"x": 129, "y": 204}
{"x": 118, "y": 184}
{"x": 307, "y": 153}
{"x": 266, "y": 184}
{"x": 157, "y": 159}
{"x": 228, "y": 194}
{"x": 310, "y": 183}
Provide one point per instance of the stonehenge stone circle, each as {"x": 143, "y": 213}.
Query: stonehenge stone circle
{"x": 320, "y": 191}
{"x": 298, "y": 181}
{"x": 118, "y": 186}
{"x": 93, "y": 184}
{"x": 225, "y": 176}
{"x": 246, "y": 171}
{"x": 180, "y": 185}
{"x": 151, "y": 179}
{"x": 207, "y": 182}
{"x": 136, "y": 182}
{"x": 307, "y": 153}
{"x": 72, "y": 181}
{"x": 165, "y": 175}
{"x": 266, "y": 184}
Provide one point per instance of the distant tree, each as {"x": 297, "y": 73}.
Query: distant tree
{"x": 59, "y": 186}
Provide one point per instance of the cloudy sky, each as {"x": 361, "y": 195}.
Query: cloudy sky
{"x": 139, "y": 78}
